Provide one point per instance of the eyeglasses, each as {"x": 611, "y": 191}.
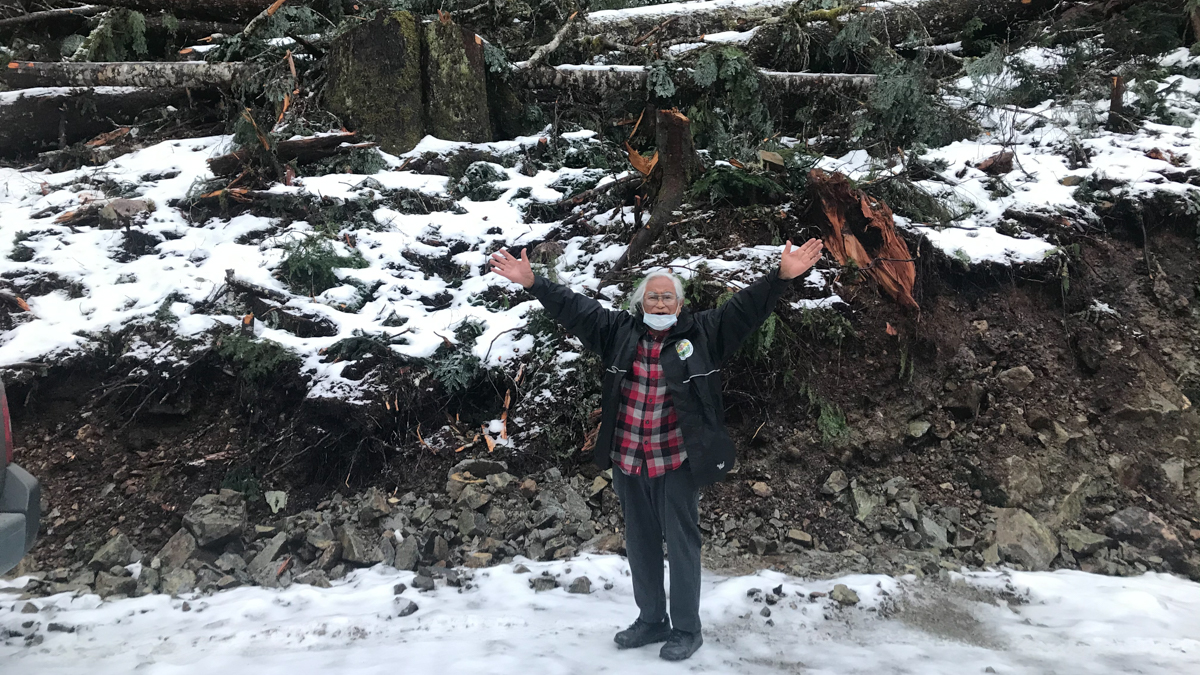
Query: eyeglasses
{"x": 665, "y": 298}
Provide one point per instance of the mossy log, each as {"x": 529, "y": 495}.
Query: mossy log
{"x": 456, "y": 97}
{"x": 32, "y": 120}
{"x": 196, "y": 74}
{"x": 375, "y": 80}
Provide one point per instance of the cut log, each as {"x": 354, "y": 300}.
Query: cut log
{"x": 677, "y": 165}
{"x": 193, "y": 74}
{"x": 304, "y": 150}
{"x": 32, "y": 120}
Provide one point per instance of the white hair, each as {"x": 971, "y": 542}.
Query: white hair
{"x": 635, "y": 300}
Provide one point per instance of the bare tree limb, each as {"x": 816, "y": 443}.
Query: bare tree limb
{"x": 545, "y": 50}
{"x": 261, "y": 18}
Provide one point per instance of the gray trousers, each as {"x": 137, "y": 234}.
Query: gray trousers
{"x": 665, "y": 508}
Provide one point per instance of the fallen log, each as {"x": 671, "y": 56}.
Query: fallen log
{"x": 192, "y": 74}
{"x": 604, "y": 80}
{"x": 306, "y": 149}
{"x": 52, "y": 15}
{"x": 897, "y": 24}
{"x": 934, "y": 21}
{"x": 215, "y": 9}
{"x": 681, "y": 19}
{"x": 32, "y": 120}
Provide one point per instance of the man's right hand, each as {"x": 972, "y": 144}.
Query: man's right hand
{"x": 513, "y": 269}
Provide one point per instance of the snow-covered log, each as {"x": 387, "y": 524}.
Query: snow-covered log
{"x": 936, "y": 18}
{"x": 681, "y": 19}
{"x": 43, "y": 118}
{"x": 195, "y": 74}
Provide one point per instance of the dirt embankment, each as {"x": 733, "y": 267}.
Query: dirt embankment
{"x": 1062, "y": 391}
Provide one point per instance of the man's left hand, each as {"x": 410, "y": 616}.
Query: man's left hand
{"x": 797, "y": 261}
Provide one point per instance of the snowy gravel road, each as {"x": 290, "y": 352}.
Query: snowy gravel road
{"x": 1063, "y": 623}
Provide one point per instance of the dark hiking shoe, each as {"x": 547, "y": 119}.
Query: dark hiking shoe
{"x": 640, "y": 634}
{"x": 681, "y": 645}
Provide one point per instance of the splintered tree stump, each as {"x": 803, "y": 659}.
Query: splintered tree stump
{"x": 456, "y": 99}
{"x": 375, "y": 80}
{"x": 675, "y": 168}
{"x": 860, "y": 230}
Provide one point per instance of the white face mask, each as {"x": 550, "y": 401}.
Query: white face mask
{"x": 659, "y": 321}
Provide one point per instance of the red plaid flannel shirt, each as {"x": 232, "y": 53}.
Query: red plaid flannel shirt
{"x": 647, "y": 430}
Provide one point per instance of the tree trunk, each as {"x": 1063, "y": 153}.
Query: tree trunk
{"x": 194, "y": 74}
{"x": 374, "y": 81}
{"x": 212, "y": 9}
{"x": 42, "y": 119}
{"x": 456, "y": 99}
{"x": 302, "y": 149}
{"x": 677, "y": 165}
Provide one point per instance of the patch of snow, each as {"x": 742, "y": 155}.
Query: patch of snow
{"x": 1071, "y": 622}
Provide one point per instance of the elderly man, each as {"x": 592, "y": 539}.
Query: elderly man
{"x": 663, "y": 421}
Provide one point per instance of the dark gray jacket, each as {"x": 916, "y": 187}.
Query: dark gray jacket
{"x": 693, "y": 375}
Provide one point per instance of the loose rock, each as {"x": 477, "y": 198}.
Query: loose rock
{"x": 844, "y": 595}
{"x": 836, "y": 482}
{"x": 215, "y": 519}
{"x": 1016, "y": 379}
{"x": 1022, "y": 539}
{"x": 178, "y": 550}
{"x": 117, "y": 551}
{"x": 1139, "y": 527}
{"x": 581, "y": 585}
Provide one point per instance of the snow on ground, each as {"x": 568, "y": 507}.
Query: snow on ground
{"x": 1062, "y": 622}
{"x": 100, "y": 293}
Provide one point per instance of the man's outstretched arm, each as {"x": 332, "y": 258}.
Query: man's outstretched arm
{"x": 733, "y": 322}
{"x": 585, "y": 318}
